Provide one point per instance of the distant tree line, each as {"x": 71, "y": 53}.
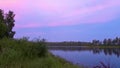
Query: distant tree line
{"x": 68, "y": 43}
{"x": 6, "y": 24}
{"x": 115, "y": 41}
{"x": 71, "y": 43}
{"x": 106, "y": 42}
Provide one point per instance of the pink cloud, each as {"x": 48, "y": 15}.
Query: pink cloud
{"x": 29, "y": 25}
{"x": 61, "y": 12}
{"x": 92, "y": 9}
{"x": 10, "y": 4}
{"x": 97, "y": 18}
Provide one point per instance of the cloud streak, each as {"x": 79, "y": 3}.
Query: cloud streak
{"x": 61, "y": 12}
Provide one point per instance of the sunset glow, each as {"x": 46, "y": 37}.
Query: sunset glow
{"x": 65, "y": 20}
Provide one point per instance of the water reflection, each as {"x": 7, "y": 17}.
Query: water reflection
{"x": 106, "y": 51}
{"x": 87, "y": 56}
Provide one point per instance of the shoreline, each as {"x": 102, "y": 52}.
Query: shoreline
{"x": 65, "y": 61}
{"x": 83, "y": 46}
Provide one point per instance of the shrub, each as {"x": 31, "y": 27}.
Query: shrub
{"x": 13, "y": 51}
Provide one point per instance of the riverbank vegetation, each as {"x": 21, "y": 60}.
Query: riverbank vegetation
{"x": 21, "y": 53}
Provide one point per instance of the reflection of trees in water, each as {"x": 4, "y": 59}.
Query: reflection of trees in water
{"x": 108, "y": 51}
{"x": 70, "y": 48}
{"x": 96, "y": 50}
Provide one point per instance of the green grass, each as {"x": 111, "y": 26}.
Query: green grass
{"x": 24, "y": 54}
{"x": 44, "y": 62}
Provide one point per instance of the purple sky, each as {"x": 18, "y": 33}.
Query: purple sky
{"x": 65, "y": 20}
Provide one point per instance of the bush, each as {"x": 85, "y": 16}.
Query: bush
{"x": 13, "y": 51}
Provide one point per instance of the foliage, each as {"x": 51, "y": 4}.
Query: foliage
{"x": 3, "y": 30}
{"x": 6, "y": 24}
{"x": 18, "y": 50}
{"x": 108, "y": 42}
{"x": 21, "y": 53}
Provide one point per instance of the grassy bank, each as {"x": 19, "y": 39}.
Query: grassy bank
{"x": 24, "y": 54}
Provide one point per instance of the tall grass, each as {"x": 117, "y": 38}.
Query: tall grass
{"x": 21, "y": 53}
{"x": 13, "y": 51}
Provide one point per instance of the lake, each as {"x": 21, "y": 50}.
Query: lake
{"x": 88, "y": 57}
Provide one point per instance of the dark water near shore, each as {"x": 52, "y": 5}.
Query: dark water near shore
{"x": 89, "y": 57}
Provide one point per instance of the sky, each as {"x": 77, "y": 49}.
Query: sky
{"x": 65, "y": 20}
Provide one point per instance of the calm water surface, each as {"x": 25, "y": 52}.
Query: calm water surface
{"x": 89, "y": 57}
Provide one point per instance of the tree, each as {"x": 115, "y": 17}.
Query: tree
{"x": 1, "y": 16}
{"x": 119, "y": 41}
{"x": 109, "y": 42}
{"x": 96, "y": 42}
{"x": 3, "y": 28}
{"x": 9, "y": 20}
{"x": 105, "y": 41}
{"x": 7, "y": 24}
